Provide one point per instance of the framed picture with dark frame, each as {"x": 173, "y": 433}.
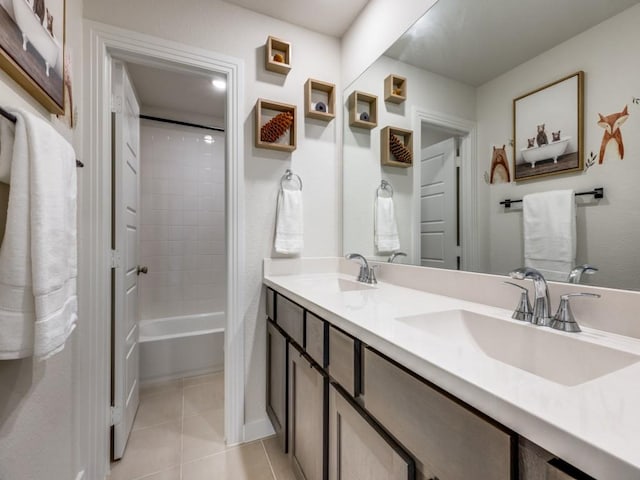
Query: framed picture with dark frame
{"x": 548, "y": 129}
{"x": 32, "y": 34}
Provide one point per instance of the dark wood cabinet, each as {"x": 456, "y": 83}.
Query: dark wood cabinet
{"x": 277, "y": 367}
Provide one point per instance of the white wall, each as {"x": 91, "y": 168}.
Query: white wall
{"x": 43, "y": 405}
{"x": 225, "y": 28}
{"x": 182, "y": 231}
{"x": 362, "y": 169}
{"x": 379, "y": 25}
{"x": 607, "y": 232}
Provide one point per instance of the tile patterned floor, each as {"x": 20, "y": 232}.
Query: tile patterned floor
{"x": 178, "y": 435}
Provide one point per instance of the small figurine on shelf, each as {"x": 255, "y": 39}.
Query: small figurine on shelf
{"x": 278, "y": 57}
{"x": 321, "y": 107}
{"x": 364, "y": 116}
{"x": 276, "y": 127}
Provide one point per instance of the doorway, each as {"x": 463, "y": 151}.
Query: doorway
{"x": 106, "y": 43}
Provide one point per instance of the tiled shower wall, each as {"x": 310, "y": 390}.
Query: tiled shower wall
{"x": 182, "y": 231}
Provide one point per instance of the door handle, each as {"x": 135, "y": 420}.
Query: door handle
{"x": 141, "y": 269}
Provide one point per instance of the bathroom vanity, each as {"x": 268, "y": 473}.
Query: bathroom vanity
{"x": 389, "y": 382}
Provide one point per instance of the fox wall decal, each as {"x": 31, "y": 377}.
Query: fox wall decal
{"x": 611, "y": 124}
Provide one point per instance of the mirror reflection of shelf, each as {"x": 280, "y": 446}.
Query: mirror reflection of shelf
{"x": 265, "y": 111}
{"x": 277, "y": 49}
{"x": 395, "y": 89}
{"x": 315, "y": 92}
{"x": 405, "y": 137}
{"x": 359, "y": 103}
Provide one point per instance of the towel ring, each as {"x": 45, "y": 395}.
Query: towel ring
{"x": 288, "y": 175}
{"x": 384, "y": 185}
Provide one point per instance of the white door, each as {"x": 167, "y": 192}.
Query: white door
{"x": 126, "y": 162}
{"x": 439, "y": 206}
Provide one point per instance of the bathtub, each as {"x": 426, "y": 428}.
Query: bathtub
{"x": 33, "y": 31}
{"x": 544, "y": 152}
{"x": 182, "y": 346}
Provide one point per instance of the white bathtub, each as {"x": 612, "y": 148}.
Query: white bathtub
{"x": 544, "y": 152}
{"x": 174, "y": 347}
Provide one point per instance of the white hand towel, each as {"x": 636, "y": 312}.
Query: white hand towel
{"x": 289, "y": 224}
{"x": 550, "y": 233}
{"x": 386, "y": 229}
{"x": 38, "y": 264}
{"x": 7, "y": 131}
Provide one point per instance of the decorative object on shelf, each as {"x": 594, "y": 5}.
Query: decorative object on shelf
{"x": 319, "y": 100}
{"x": 561, "y": 105}
{"x": 396, "y": 147}
{"x": 395, "y": 89}
{"x": 32, "y": 49}
{"x": 611, "y": 124}
{"x": 275, "y": 122}
{"x": 499, "y": 166}
{"x": 277, "y": 55}
{"x": 363, "y": 110}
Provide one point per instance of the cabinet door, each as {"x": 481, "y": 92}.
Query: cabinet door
{"x": 358, "y": 448}
{"x": 448, "y": 440}
{"x": 277, "y": 382}
{"x": 307, "y": 432}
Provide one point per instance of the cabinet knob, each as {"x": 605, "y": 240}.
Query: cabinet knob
{"x": 141, "y": 269}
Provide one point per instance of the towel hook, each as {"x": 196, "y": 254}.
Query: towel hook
{"x": 384, "y": 185}
{"x": 288, "y": 175}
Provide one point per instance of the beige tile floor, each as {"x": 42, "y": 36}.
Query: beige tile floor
{"x": 178, "y": 435}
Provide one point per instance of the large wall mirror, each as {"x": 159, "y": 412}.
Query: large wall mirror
{"x": 451, "y": 81}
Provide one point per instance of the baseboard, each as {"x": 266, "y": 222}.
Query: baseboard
{"x": 258, "y": 429}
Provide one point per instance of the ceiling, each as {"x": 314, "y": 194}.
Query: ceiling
{"x": 177, "y": 91}
{"x": 475, "y": 41}
{"x": 331, "y": 17}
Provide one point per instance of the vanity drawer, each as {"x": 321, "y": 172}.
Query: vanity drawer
{"x": 559, "y": 470}
{"x": 447, "y": 440}
{"x": 271, "y": 304}
{"x": 290, "y": 317}
{"x": 342, "y": 360}
{"x": 315, "y": 339}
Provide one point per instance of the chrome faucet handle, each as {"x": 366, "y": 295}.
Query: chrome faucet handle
{"x": 564, "y": 319}
{"x": 363, "y": 276}
{"x": 395, "y": 255}
{"x": 523, "y": 311}
{"x": 371, "y": 280}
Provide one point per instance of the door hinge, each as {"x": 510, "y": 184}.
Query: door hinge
{"x": 115, "y": 415}
{"x": 116, "y": 103}
{"x": 115, "y": 259}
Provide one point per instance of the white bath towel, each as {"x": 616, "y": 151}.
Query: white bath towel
{"x": 386, "y": 229}
{"x": 550, "y": 233}
{"x": 38, "y": 264}
{"x": 7, "y": 131}
{"x": 289, "y": 224}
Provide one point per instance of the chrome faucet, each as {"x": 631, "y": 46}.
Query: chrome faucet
{"x": 367, "y": 274}
{"x": 541, "y": 303}
{"x": 576, "y": 274}
{"x": 395, "y": 255}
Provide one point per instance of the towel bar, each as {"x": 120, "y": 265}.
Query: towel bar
{"x": 384, "y": 185}
{"x": 12, "y": 118}
{"x": 288, "y": 175}
{"x": 596, "y": 192}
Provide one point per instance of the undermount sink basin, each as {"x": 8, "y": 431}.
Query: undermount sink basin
{"x": 350, "y": 286}
{"x": 334, "y": 284}
{"x": 559, "y": 358}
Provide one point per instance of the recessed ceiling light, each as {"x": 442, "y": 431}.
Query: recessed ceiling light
{"x": 219, "y": 83}
{"x": 209, "y": 139}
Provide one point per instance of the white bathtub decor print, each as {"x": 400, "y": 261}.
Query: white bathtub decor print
{"x": 548, "y": 128}
{"x": 32, "y": 48}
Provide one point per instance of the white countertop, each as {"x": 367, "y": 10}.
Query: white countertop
{"x": 594, "y": 425}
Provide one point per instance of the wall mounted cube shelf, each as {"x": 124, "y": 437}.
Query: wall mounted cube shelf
{"x": 403, "y": 147}
{"x": 276, "y": 47}
{"x": 266, "y": 110}
{"x": 395, "y": 89}
{"x": 318, "y": 91}
{"x": 360, "y": 102}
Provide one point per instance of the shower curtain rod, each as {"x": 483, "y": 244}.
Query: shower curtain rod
{"x": 14, "y": 119}
{"x": 178, "y": 122}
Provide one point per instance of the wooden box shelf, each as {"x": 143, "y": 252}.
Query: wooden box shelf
{"x": 406, "y": 138}
{"x": 371, "y": 101}
{"x": 327, "y": 91}
{"x": 265, "y": 111}
{"x": 274, "y": 47}
{"x": 395, "y": 89}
